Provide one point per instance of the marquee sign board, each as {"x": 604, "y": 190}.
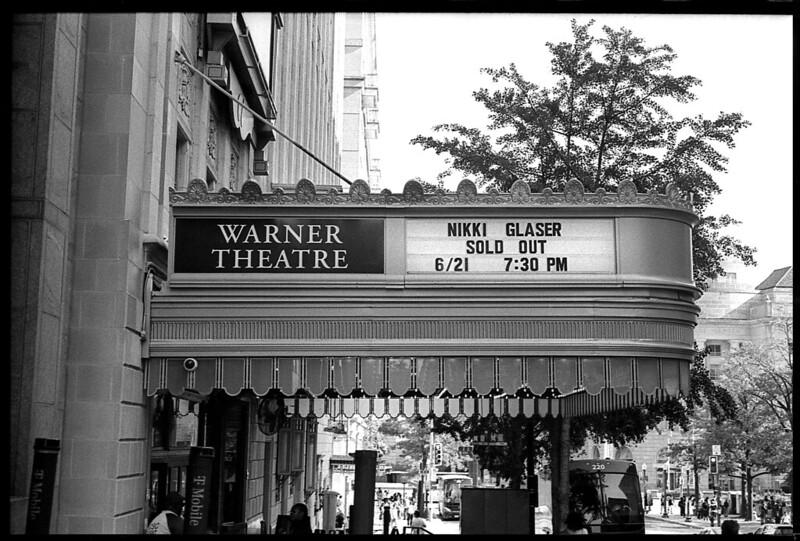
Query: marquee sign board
{"x": 279, "y": 245}
{"x": 511, "y": 246}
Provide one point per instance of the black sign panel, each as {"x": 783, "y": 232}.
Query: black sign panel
{"x": 284, "y": 245}
{"x": 198, "y": 490}
{"x": 43, "y": 480}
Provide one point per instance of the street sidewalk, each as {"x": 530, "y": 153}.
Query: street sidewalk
{"x": 696, "y": 522}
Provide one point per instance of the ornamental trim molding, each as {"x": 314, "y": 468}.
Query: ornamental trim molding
{"x": 189, "y": 329}
{"x": 519, "y": 195}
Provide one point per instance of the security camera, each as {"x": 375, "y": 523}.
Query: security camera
{"x": 190, "y": 364}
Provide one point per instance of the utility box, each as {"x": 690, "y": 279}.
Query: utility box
{"x": 329, "y": 503}
{"x": 487, "y": 511}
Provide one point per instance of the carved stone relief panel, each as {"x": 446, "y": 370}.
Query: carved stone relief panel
{"x": 233, "y": 176}
{"x": 212, "y": 138}
{"x": 185, "y": 90}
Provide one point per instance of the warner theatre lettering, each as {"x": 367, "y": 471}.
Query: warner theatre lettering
{"x": 286, "y": 245}
{"x": 510, "y": 246}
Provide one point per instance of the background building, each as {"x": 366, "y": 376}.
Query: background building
{"x": 307, "y": 78}
{"x": 104, "y": 123}
{"x": 360, "y": 157}
{"x": 732, "y": 313}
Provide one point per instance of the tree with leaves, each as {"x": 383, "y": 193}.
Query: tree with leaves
{"x": 759, "y": 440}
{"x": 531, "y": 441}
{"x": 605, "y": 119}
{"x": 409, "y": 446}
{"x": 765, "y": 372}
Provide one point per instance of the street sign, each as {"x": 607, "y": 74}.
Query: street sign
{"x": 716, "y": 450}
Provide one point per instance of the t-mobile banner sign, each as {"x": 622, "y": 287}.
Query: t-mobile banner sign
{"x": 198, "y": 490}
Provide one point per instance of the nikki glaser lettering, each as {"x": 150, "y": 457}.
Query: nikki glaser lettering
{"x": 295, "y": 258}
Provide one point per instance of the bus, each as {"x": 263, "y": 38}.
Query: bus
{"x": 448, "y": 493}
{"x": 608, "y": 494}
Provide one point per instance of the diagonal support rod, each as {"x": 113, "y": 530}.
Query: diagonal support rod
{"x": 180, "y": 58}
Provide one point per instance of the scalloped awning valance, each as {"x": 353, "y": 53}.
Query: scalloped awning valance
{"x": 432, "y": 385}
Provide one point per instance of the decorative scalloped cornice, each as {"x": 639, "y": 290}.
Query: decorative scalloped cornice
{"x": 520, "y": 194}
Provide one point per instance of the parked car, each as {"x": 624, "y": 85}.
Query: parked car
{"x": 774, "y": 529}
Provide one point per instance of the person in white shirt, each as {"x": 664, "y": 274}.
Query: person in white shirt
{"x": 169, "y": 520}
{"x": 418, "y": 521}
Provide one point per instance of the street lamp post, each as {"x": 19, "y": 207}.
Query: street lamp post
{"x": 686, "y": 501}
{"x": 666, "y": 486}
{"x": 644, "y": 486}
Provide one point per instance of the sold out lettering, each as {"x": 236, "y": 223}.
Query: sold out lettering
{"x": 484, "y": 247}
{"x": 531, "y": 246}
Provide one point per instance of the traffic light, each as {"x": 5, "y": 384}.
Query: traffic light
{"x": 713, "y": 465}
{"x": 437, "y": 453}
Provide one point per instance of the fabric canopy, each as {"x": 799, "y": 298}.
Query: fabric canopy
{"x": 431, "y": 385}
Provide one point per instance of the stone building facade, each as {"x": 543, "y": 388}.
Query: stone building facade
{"x": 361, "y": 128}
{"x": 107, "y": 117}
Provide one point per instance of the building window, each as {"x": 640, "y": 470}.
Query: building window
{"x": 714, "y": 350}
{"x": 714, "y": 372}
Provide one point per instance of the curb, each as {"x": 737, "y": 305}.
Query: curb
{"x": 680, "y": 522}
{"x": 696, "y": 523}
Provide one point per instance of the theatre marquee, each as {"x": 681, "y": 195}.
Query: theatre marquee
{"x": 552, "y": 303}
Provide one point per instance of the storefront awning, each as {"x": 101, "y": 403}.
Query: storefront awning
{"x": 431, "y": 385}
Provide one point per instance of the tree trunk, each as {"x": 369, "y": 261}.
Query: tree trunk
{"x": 748, "y": 512}
{"x": 531, "y": 481}
{"x": 559, "y": 465}
{"x": 696, "y": 487}
{"x": 745, "y": 504}
{"x": 518, "y": 466}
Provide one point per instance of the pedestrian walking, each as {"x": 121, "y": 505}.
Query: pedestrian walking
{"x": 726, "y": 505}
{"x": 770, "y": 511}
{"x": 339, "y": 523}
{"x": 704, "y": 509}
{"x": 682, "y": 505}
{"x": 714, "y": 511}
{"x": 168, "y": 521}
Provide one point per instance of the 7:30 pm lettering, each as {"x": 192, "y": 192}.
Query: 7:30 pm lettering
{"x": 521, "y": 264}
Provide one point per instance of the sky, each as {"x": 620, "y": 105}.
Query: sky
{"x": 429, "y": 65}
